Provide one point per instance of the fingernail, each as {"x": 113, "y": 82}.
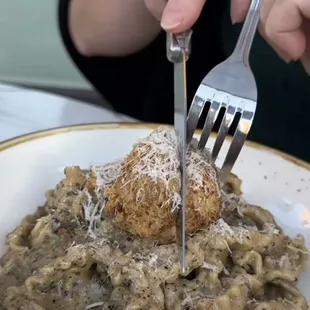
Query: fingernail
{"x": 233, "y": 19}
{"x": 171, "y": 19}
{"x": 285, "y": 57}
{"x": 305, "y": 61}
{"x": 233, "y": 15}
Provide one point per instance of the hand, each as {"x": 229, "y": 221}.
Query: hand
{"x": 285, "y": 24}
{"x": 176, "y": 15}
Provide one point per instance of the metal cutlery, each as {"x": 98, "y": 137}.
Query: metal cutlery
{"x": 230, "y": 86}
{"x": 178, "y": 51}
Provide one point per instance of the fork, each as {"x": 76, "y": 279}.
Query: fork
{"x": 230, "y": 86}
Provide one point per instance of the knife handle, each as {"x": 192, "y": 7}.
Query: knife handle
{"x": 177, "y": 45}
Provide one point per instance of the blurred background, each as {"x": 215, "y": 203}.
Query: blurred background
{"x": 32, "y": 54}
{"x": 40, "y": 88}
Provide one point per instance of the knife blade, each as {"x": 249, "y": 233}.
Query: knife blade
{"x": 178, "y": 50}
{"x": 180, "y": 115}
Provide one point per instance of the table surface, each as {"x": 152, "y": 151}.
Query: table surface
{"x": 24, "y": 111}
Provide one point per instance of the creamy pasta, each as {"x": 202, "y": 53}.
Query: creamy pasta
{"x": 70, "y": 255}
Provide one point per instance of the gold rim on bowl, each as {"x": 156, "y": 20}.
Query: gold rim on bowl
{"x": 93, "y": 126}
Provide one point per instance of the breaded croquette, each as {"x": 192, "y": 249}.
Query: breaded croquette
{"x": 144, "y": 197}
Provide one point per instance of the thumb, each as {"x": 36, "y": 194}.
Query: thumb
{"x": 238, "y": 10}
{"x": 305, "y": 58}
{"x": 305, "y": 61}
{"x": 180, "y": 15}
{"x": 284, "y": 26}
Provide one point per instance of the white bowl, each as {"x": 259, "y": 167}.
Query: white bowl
{"x": 33, "y": 163}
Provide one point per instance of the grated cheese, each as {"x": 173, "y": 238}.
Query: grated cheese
{"x": 106, "y": 174}
{"x": 226, "y": 272}
{"x": 200, "y": 167}
{"x": 157, "y": 158}
{"x": 222, "y": 228}
{"x": 94, "y": 305}
{"x": 288, "y": 302}
{"x": 208, "y": 266}
{"x": 92, "y": 213}
{"x": 151, "y": 259}
{"x": 240, "y": 234}
{"x": 285, "y": 262}
{"x": 270, "y": 228}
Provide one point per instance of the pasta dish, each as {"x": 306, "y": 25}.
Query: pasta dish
{"x": 105, "y": 239}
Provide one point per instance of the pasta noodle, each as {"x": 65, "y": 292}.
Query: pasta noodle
{"x": 69, "y": 255}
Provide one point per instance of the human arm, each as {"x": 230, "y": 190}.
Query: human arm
{"x": 122, "y": 81}
{"x": 123, "y": 27}
{"x": 141, "y": 84}
{"x": 111, "y": 27}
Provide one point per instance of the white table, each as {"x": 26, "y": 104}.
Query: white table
{"x": 23, "y": 111}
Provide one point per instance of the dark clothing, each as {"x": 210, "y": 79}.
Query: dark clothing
{"x": 141, "y": 85}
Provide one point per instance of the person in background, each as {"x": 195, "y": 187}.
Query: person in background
{"x": 119, "y": 46}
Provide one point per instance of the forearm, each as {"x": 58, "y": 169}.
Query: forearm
{"x": 111, "y": 27}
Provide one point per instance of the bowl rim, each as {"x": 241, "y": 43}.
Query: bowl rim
{"x": 12, "y": 142}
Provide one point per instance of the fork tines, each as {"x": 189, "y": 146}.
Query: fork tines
{"x": 235, "y": 108}
{"x": 230, "y": 86}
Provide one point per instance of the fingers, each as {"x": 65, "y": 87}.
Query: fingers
{"x": 284, "y": 26}
{"x": 305, "y": 61}
{"x": 175, "y": 15}
{"x": 264, "y": 16}
{"x": 283, "y": 55}
{"x": 305, "y": 58}
{"x": 156, "y": 7}
{"x": 238, "y": 10}
{"x": 180, "y": 15}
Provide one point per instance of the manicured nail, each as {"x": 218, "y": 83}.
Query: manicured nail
{"x": 305, "y": 61}
{"x": 233, "y": 15}
{"x": 233, "y": 19}
{"x": 171, "y": 19}
{"x": 285, "y": 57}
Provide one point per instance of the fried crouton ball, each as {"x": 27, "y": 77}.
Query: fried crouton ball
{"x": 144, "y": 197}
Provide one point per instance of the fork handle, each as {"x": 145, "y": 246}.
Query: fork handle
{"x": 245, "y": 40}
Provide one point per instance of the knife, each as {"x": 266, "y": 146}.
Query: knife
{"x": 178, "y": 51}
